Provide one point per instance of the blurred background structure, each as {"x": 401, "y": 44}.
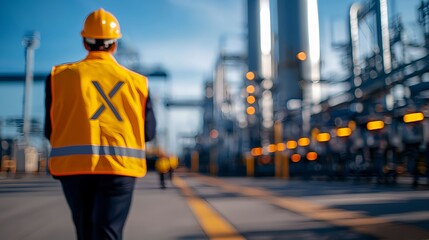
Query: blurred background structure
{"x": 323, "y": 89}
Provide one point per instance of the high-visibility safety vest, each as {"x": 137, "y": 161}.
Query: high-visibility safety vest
{"x": 97, "y": 117}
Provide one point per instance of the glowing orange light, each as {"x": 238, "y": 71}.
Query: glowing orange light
{"x": 214, "y": 133}
{"x": 413, "y": 117}
{"x": 251, "y": 99}
{"x": 272, "y": 148}
{"x": 256, "y": 151}
{"x": 301, "y": 56}
{"x": 344, "y": 132}
{"x": 311, "y": 156}
{"x": 250, "y": 76}
{"x": 303, "y": 142}
{"x": 250, "y": 89}
{"x": 375, "y": 125}
{"x": 291, "y": 144}
{"x": 352, "y": 125}
{"x": 250, "y": 110}
{"x": 314, "y": 132}
{"x": 295, "y": 157}
{"x": 281, "y": 147}
{"x": 323, "y": 137}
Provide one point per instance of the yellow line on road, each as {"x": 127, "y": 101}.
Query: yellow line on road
{"x": 214, "y": 225}
{"x": 374, "y": 226}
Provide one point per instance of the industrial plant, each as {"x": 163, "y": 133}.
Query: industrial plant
{"x": 270, "y": 110}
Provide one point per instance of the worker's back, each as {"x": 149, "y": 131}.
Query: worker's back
{"x": 98, "y": 116}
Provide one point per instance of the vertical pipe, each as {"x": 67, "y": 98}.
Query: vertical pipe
{"x": 278, "y": 138}
{"x": 383, "y": 34}
{"x": 195, "y": 161}
{"x": 285, "y": 166}
{"x": 253, "y": 56}
{"x": 31, "y": 43}
{"x": 218, "y": 101}
{"x": 266, "y": 66}
{"x": 29, "y": 55}
{"x": 311, "y": 66}
{"x": 314, "y": 50}
{"x": 288, "y": 75}
{"x": 354, "y": 37}
{"x": 213, "y": 167}
{"x": 250, "y": 165}
{"x": 265, "y": 38}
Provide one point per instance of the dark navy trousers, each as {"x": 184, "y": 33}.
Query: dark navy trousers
{"x": 99, "y": 204}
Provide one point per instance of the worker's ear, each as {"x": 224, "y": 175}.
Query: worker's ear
{"x": 113, "y": 48}
{"x": 85, "y": 45}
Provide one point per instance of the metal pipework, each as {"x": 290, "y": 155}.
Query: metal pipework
{"x": 383, "y": 34}
{"x": 354, "y": 35}
{"x": 358, "y": 12}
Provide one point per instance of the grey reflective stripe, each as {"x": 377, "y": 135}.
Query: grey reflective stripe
{"x": 103, "y": 95}
{"x": 97, "y": 150}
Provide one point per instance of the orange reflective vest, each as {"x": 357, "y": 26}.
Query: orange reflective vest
{"x": 97, "y": 117}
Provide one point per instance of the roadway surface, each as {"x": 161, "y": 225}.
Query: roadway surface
{"x": 201, "y": 207}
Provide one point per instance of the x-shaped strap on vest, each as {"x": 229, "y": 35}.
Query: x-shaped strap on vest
{"x": 103, "y": 95}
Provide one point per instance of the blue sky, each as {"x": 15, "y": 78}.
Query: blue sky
{"x": 180, "y": 35}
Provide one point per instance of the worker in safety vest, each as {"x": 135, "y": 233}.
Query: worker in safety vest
{"x": 162, "y": 166}
{"x": 98, "y": 118}
{"x": 174, "y": 163}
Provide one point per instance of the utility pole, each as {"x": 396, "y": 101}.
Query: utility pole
{"x": 30, "y": 42}
{"x": 26, "y": 155}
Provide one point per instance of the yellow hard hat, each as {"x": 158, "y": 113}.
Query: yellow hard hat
{"x": 174, "y": 162}
{"x": 162, "y": 165}
{"x": 101, "y": 24}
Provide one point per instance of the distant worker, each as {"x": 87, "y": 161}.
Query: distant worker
{"x": 98, "y": 117}
{"x": 162, "y": 166}
{"x": 174, "y": 163}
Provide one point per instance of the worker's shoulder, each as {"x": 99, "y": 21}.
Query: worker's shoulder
{"x": 64, "y": 66}
{"x": 134, "y": 74}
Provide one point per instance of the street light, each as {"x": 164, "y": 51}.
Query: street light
{"x": 272, "y": 148}
{"x": 281, "y": 147}
{"x": 250, "y": 89}
{"x": 251, "y": 99}
{"x": 303, "y": 142}
{"x": 291, "y": 144}
{"x": 311, "y": 156}
{"x": 250, "y": 76}
{"x": 375, "y": 125}
{"x": 323, "y": 137}
{"x": 301, "y": 56}
{"x": 214, "y": 133}
{"x": 250, "y": 110}
{"x": 344, "y": 132}
{"x": 256, "y": 151}
{"x": 413, "y": 117}
{"x": 295, "y": 157}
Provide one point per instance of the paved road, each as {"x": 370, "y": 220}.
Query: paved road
{"x": 200, "y": 207}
